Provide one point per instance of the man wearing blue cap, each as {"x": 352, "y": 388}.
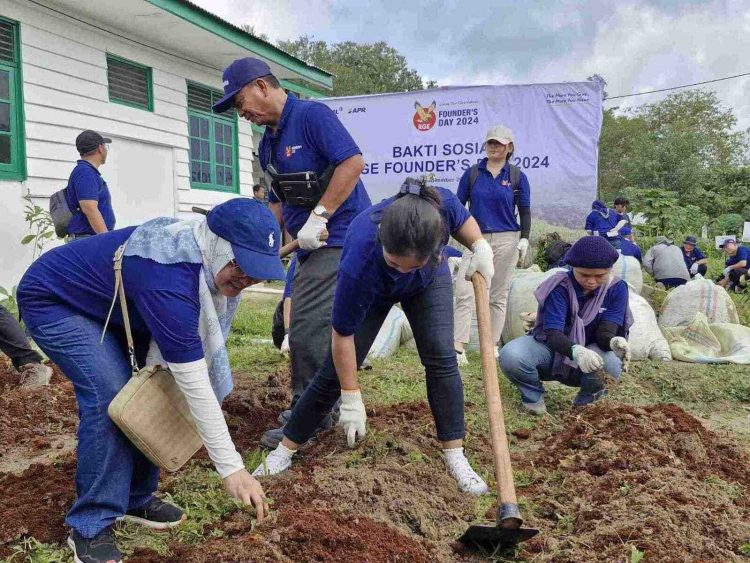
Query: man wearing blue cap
{"x": 695, "y": 260}
{"x": 315, "y": 168}
{"x": 736, "y": 265}
{"x": 182, "y": 281}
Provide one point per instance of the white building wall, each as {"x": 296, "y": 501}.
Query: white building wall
{"x": 65, "y": 91}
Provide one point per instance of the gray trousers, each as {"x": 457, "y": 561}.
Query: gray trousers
{"x": 13, "y": 341}
{"x": 310, "y": 329}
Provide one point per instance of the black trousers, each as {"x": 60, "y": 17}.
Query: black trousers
{"x": 13, "y": 341}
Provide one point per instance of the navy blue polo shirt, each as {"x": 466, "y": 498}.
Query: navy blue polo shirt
{"x": 743, "y": 253}
{"x": 78, "y": 279}
{"x": 692, "y": 257}
{"x": 597, "y": 222}
{"x": 491, "y": 199}
{"x": 290, "y": 278}
{"x": 613, "y": 309}
{"x": 309, "y": 137}
{"x": 86, "y": 182}
{"x": 628, "y": 248}
{"x": 364, "y": 278}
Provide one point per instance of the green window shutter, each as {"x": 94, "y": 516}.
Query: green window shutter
{"x": 129, "y": 83}
{"x": 12, "y": 138}
{"x": 213, "y": 142}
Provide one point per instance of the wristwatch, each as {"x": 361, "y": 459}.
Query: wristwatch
{"x": 320, "y": 211}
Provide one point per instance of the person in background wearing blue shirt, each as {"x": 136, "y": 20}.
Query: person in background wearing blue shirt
{"x": 581, "y": 329}
{"x": 695, "y": 260}
{"x": 493, "y": 203}
{"x": 621, "y": 207}
{"x": 87, "y": 193}
{"x": 394, "y": 254}
{"x": 302, "y": 136}
{"x": 737, "y": 263}
{"x": 627, "y": 246}
{"x": 605, "y": 222}
{"x": 182, "y": 282}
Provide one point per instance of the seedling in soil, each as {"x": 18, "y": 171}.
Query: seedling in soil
{"x": 636, "y": 555}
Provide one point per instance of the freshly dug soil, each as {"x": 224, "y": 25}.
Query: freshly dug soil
{"x": 654, "y": 478}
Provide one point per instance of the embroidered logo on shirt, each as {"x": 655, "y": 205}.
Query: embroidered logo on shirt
{"x": 270, "y": 240}
{"x": 289, "y": 151}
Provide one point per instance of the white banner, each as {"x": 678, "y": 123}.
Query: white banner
{"x": 442, "y": 132}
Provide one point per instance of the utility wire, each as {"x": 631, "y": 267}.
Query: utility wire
{"x": 677, "y": 87}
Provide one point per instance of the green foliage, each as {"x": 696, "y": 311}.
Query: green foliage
{"x": 729, "y": 224}
{"x": 665, "y": 213}
{"x": 359, "y": 68}
{"x": 8, "y": 298}
{"x": 685, "y": 145}
{"x": 41, "y": 227}
{"x": 636, "y": 555}
{"x": 30, "y": 550}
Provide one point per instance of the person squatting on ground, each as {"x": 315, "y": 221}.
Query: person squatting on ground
{"x": 665, "y": 262}
{"x": 182, "y": 281}
{"x": 735, "y": 275}
{"x": 605, "y": 222}
{"x": 394, "y": 254}
{"x": 493, "y": 201}
{"x": 627, "y": 246}
{"x": 695, "y": 261}
{"x": 87, "y": 193}
{"x": 581, "y": 328}
{"x": 302, "y": 136}
{"x": 25, "y": 359}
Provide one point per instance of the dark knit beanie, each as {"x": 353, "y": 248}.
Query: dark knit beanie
{"x": 591, "y": 252}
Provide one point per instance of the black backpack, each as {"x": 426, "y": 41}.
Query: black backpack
{"x": 515, "y": 182}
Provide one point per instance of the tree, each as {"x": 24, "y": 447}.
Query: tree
{"x": 359, "y": 68}
{"x": 251, "y": 30}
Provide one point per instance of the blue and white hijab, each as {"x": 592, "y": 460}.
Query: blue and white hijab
{"x": 171, "y": 241}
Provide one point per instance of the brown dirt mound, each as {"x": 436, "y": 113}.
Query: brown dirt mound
{"x": 35, "y": 503}
{"x": 618, "y": 476}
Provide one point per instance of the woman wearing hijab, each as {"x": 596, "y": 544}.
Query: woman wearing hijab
{"x": 182, "y": 281}
{"x": 605, "y": 222}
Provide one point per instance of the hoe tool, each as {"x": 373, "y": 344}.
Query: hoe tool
{"x": 508, "y": 528}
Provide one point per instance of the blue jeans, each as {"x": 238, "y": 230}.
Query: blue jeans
{"x": 527, "y": 362}
{"x": 112, "y": 475}
{"x": 430, "y": 314}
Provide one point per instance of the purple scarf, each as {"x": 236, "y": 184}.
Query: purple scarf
{"x": 562, "y": 365}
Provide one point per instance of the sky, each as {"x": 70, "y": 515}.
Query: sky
{"x": 636, "y": 45}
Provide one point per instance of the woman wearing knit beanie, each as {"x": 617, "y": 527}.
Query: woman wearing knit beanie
{"x": 581, "y": 329}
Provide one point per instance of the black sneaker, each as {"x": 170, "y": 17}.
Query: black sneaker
{"x": 99, "y": 549}
{"x": 157, "y": 515}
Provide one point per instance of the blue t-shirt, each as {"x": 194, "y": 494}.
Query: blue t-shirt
{"x": 364, "y": 278}
{"x": 597, "y": 222}
{"x": 492, "y": 203}
{"x": 692, "y": 257}
{"x": 86, "y": 182}
{"x": 309, "y": 137}
{"x": 290, "y": 278}
{"x": 628, "y": 248}
{"x": 743, "y": 253}
{"x": 78, "y": 279}
{"x": 613, "y": 309}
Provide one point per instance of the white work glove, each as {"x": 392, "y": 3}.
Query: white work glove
{"x": 285, "y": 346}
{"x": 481, "y": 261}
{"x": 621, "y": 348}
{"x": 523, "y": 248}
{"x": 352, "y": 416}
{"x": 588, "y": 361}
{"x": 726, "y": 271}
{"x": 309, "y": 235}
{"x": 694, "y": 268}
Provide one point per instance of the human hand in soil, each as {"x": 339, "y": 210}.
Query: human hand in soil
{"x": 588, "y": 360}
{"x": 246, "y": 489}
{"x": 352, "y": 416}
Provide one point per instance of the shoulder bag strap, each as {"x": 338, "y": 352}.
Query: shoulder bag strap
{"x": 120, "y": 292}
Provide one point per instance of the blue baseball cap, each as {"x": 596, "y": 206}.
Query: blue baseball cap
{"x": 236, "y": 76}
{"x": 254, "y": 234}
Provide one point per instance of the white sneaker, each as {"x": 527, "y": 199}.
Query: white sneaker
{"x": 463, "y": 359}
{"x": 459, "y": 468}
{"x": 277, "y": 461}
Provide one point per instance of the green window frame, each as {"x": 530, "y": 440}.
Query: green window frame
{"x": 214, "y": 142}
{"x": 12, "y": 135}
{"x": 129, "y": 83}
